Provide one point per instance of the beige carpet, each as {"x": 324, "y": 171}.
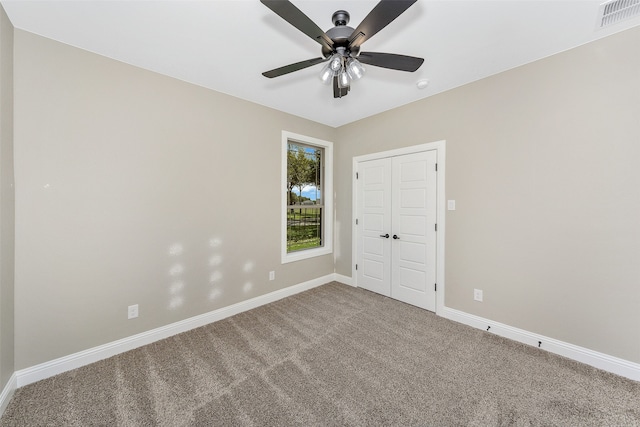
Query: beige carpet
{"x": 334, "y": 355}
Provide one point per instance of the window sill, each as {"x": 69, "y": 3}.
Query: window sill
{"x": 306, "y": 254}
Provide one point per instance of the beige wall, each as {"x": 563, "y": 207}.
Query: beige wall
{"x": 6, "y": 200}
{"x": 135, "y": 188}
{"x": 543, "y": 162}
{"x": 126, "y": 178}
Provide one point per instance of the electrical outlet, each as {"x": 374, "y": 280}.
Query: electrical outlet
{"x": 132, "y": 311}
{"x": 272, "y": 275}
{"x": 477, "y": 294}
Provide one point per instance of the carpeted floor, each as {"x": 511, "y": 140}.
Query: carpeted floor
{"x": 334, "y": 355}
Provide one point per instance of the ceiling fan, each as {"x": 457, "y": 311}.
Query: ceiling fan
{"x": 341, "y": 44}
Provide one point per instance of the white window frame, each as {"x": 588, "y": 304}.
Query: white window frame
{"x": 327, "y": 192}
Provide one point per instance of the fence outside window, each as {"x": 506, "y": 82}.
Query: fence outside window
{"x": 305, "y": 210}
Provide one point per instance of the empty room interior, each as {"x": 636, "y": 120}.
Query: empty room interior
{"x": 476, "y": 189}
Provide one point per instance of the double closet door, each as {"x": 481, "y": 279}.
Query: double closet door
{"x": 396, "y": 232}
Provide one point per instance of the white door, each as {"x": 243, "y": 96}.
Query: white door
{"x": 396, "y": 239}
{"x": 413, "y": 254}
{"x": 374, "y": 225}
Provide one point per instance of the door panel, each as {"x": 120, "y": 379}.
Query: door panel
{"x": 374, "y": 198}
{"x": 373, "y": 246}
{"x": 412, "y": 279}
{"x": 373, "y": 270}
{"x": 373, "y": 222}
{"x": 413, "y": 170}
{"x": 397, "y": 197}
{"x": 412, "y": 253}
{"x": 413, "y": 275}
{"x": 412, "y": 224}
{"x": 374, "y": 209}
{"x": 413, "y": 198}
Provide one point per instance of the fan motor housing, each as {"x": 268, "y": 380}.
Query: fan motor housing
{"x": 339, "y": 34}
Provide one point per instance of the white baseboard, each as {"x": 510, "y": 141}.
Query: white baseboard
{"x": 48, "y": 369}
{"x": 343, "y": 279}
{"x": 7, "y": 392}
{"x": 82, "y": 358}
{"x": 598, "y": 360}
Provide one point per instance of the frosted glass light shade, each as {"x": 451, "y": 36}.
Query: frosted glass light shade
{"x": 332, "y": 69}
{"x": 326, "y": 75}
{"x": 355, "y": 69}
{"x": 343, "y": 80}
{"x": 336, "y": 63}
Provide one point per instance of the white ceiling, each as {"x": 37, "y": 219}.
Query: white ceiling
{"x": 224, "y": 45}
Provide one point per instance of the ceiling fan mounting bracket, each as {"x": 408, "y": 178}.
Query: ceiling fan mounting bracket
{"x": 340, "y": 18}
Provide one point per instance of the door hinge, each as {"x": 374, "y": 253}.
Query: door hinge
{"x": 436, "y": 227}
{"x": 435, "y": 287}
{"x": 356, "y": 221}
{"x": 356, "y": 175}
{"x": 436, "y": 167}
{"x": 356, "y": 266}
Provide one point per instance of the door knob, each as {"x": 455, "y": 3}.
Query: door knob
{"x": 386, "y": 236}
{"x": 395, "y": 236}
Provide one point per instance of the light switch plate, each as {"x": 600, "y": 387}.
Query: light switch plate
{"x": 451, "y": 205}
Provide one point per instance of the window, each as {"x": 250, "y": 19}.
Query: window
{"x": 307, "y": 181}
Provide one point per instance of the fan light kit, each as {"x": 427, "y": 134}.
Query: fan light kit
{"x": 341, "y": 44}
{"x": 342, "y": 66}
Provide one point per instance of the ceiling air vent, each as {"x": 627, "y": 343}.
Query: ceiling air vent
{"x": 617, "y": 10}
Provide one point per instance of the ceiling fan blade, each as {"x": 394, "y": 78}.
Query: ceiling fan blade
{"x": 391, "y": 61}
{"x": 294, "y": 16}
{"x": 293, "y": 67}
{"x": 381, "y": 15}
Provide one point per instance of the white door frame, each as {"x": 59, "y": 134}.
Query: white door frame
{"x": 440, "y": 147}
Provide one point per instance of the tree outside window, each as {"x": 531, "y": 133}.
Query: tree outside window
{"x": 305, "y": 208}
